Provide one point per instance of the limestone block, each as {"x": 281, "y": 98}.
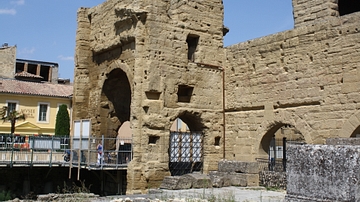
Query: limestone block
{"x": 243, "y": 180}
{"x": 343, "y": 141}
{"x": 216, "y": 179}
{"x": 199, "y": 180}
{"x": 238, "y": 167}
{"x": 323, "y": 172}
{"x": 170, "y": 182}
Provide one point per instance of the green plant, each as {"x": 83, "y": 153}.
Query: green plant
{"x": 62, "y": 125}
{"x": 74, "y": 188}
{"x": 12, "y": 116}
{"x": 273, "y": 188}
{"x": 5, "y": 195}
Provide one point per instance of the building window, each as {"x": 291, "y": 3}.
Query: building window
{"x": 12, "y": 105}
{"x": 43, "y": 109}
{"x": 184, "y": 93}
{"x": 192, "y": 42}
{"x": 348, "y": 6}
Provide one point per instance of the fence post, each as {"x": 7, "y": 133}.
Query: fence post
{"x": 32, "y": 149}
{"x": 273, "y": 159}
{"x": 284, "y": 154}
{"x": 12, "y": 149}
{"x": 51, "y": 152}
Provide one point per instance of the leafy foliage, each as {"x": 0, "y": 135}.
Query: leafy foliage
{"x": 62, "y": 125}
{"x": 5, "y": 195}
{"x": 11, "y": 116}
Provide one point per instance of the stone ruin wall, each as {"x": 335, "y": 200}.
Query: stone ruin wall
{"x": 7, "y": 61}
{"x": 147, "y": 41}
{"x": 308, "y": 77}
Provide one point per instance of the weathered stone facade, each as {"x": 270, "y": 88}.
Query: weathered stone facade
{"x": 150, "y": 62}
{"x": 132, "y": 59}
{"x": 7, "y": 61}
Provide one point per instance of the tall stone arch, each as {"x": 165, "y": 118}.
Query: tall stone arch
{"x": 115, "y": 98}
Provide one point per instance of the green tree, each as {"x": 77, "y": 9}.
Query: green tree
{"x": 11, "y": 116}
{"x": 62, "y": 125}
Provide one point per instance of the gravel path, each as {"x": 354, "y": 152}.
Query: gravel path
{"x": 225, "y": 194}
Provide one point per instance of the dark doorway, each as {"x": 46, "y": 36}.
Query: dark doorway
{"x": 274, "y": 143}
{"x": 115, "y": 105}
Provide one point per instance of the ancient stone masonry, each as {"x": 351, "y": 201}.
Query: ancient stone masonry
{"x": 7, "y": 61}
{"x": 307, "y": 77}
{"x": 151, "y": 62}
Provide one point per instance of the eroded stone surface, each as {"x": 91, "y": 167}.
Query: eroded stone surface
{"x": 132, "y": 58}
{"x": 323, "y": 172}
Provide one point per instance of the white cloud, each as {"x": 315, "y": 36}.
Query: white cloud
{"x": 8, "y": 11}
{"x": 61, "y": 57}
{"x": 18, "y": 2}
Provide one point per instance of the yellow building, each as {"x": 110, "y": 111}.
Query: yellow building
{"x": 39, "y": 101}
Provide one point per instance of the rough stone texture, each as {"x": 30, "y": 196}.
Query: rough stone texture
{"x": 307, "y": 77}
{"x": 235, "y": 173}
{"x": 323, "y": 173}
{"x": 343, "y": 141}
{"x": 193, "y": 180}
{"x": 273, "y": 179}
{"x": 7, "y": 61}
{"x": 132, "y": 57}
{"x": 238, "y": 167}
{"x": 140, "y": 49}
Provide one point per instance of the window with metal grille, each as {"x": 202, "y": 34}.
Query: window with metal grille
{"x": 185, "y": 152}
{"x": 43, "y": 109}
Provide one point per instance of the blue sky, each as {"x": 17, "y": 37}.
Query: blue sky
{"x": 45, "y": 29}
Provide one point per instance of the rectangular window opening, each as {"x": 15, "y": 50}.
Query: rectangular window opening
{"x": 184, "y": 93}
{"x": 43, "y": 112}
{"x": 192, "y": 42}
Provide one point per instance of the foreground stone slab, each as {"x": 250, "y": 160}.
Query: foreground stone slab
{"x": 323, "y": 173}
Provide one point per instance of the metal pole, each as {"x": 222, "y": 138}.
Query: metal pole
{"x": 52, "y": 147}
{"x": 284, "y": 153}
{"x": 12, "y": 149}
{"x": 223, "y": 106}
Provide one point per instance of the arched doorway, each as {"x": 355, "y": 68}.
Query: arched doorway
{"x": 186, "y": 146}
{"x": 114, "y": 107}
{"x": 274, "y": 144}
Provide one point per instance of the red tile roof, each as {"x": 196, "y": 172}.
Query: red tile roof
{"x": 28, "y": 75}
{"x": 34, "y": 88}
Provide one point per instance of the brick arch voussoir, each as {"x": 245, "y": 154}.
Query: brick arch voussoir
{"x": 125, "y": 68}
{"x": 285, "y": 117}
{"x": 350, "y": 125}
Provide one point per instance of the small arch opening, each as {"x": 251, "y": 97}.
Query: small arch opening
{"x": 186, "y": 145}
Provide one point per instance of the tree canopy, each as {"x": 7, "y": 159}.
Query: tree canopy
{"x": 62, "y": 125}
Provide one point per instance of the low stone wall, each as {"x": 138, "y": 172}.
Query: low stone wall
{"x": 230, "y": 173}
{"x": 273, "y": 179}
{"x": 323, "y": 173}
